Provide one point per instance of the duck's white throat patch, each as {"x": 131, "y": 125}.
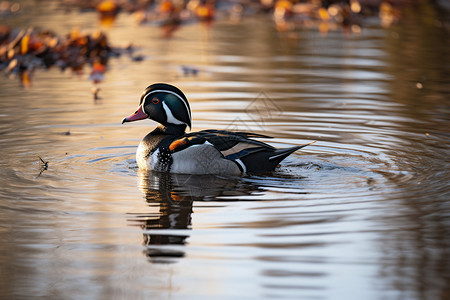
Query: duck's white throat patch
{"x": 170, "y": 117}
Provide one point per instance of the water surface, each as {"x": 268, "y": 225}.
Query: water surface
{"x": 363, "y": 213}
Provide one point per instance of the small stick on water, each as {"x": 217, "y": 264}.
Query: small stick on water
{"x": 44, "y": 165}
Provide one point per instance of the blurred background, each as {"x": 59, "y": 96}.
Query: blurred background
{"x": 363, "y": 213}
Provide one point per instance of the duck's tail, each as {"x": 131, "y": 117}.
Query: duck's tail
{"x": 278, "y": 155}
{"x": 267, "y": 160}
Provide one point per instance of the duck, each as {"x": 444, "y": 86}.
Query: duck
{"x": 169, "y": 148}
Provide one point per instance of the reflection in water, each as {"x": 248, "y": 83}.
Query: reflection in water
{"x": 173, "y": 195}
{"x": 174, "y": 213}
{"x": 415, "y": 256}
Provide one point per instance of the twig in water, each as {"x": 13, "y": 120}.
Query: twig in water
{"x": 43, "y": 166}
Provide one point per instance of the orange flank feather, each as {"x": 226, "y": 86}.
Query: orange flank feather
{"x": 178, "y": 143}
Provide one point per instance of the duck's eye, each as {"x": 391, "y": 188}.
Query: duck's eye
{"x": 155, "y": 100}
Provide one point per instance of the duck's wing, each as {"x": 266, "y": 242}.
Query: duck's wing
{"x": 230, "y": 144}
{"x": 227, "y": 142}
{"x": 250, "y": 155}
{"x": 243, "y": 134}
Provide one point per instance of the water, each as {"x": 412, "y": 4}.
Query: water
{"x": 363, "y": 213}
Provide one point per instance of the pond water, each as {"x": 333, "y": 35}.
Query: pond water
{"x": 363, "y": 213}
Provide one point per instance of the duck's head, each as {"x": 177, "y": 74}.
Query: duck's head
{"x": 164, "y": 104}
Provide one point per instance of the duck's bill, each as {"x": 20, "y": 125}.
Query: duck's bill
{"x": 139, "y": 114}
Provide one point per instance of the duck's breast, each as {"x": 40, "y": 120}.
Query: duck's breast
{"x": 147, "y": 154}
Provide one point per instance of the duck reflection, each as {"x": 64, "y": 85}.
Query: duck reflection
{"x": 174, "y": 195}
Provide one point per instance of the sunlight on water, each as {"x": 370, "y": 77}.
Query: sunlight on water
{"x": 360, "y": 214}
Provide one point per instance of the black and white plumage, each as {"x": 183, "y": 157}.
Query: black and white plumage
{"x": 169, "y": 148}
